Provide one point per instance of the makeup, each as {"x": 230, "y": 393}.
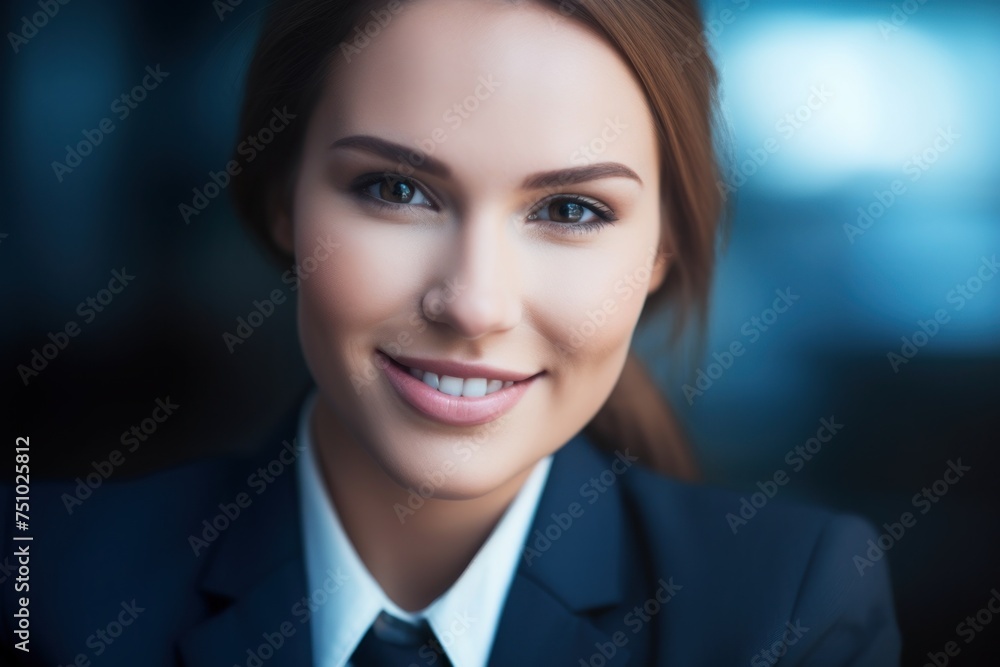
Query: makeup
{"x": 515, "y": 248}
{"x": 441, "y": 405}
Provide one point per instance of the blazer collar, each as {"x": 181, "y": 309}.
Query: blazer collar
{"x": 572, "y": 565}
{"x": 255, "y": 573}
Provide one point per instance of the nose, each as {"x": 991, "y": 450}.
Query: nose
{"x": 479, "y": 288}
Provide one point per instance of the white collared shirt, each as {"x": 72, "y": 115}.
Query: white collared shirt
{"x": 345, "y": 599}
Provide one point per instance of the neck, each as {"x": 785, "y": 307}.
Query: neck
{"x": 414, "y": 556}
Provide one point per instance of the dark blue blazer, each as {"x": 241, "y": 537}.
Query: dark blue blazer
{"x": 645, "y": 572}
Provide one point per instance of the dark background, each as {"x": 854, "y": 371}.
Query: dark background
{"x": 889, "y": 87}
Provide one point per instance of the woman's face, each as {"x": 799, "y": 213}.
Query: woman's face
{"x": 522, "y": 233}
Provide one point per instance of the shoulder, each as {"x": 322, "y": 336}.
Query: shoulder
{"x": 158, "y": 503}
{"x": 709, "y": 516}
{"x": 153, "y": 510}
{"x": 113, "y": 554}
{"x": 782, "y": 576}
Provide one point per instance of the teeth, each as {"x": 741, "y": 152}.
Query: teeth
{"x": 474, "y": 387}
{"x": 430, "y": 379}
{"x": 453, "y": 386}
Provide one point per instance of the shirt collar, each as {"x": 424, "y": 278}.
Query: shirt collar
{"x": 344, "y": 598}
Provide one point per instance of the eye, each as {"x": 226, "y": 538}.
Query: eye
{"x": 392, "y": 190}
{"x": 574, "y": 213}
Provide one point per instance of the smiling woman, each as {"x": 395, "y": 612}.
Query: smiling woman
{"x": 501, "y": 192}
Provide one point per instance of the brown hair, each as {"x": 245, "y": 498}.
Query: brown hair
{"x": 291, "y": 60}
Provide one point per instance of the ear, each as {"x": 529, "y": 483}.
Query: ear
{"x": 282, "y": 230}
{"x": 661, "y": 265}
{"x": 280, "y": 226}
{"x": 664, "y": 251}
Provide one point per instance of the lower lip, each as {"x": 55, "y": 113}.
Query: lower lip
{"x": 452, "y": 410}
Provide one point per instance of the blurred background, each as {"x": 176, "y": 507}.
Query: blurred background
{"x": 860, "y": 278}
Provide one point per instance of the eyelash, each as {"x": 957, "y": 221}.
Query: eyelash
{"x": 605, "y": 215}
{"x": 362, "y": 183}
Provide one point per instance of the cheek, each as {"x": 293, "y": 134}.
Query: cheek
{"x": 591, "y": 300}
{"x": 370, "y": 278}
{"x": 352, "y": 298}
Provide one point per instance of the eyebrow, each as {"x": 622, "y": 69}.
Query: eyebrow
{"x": 393, "y": 151}
{"x": 589, "y": 172}
{"x": 435, "y": 167}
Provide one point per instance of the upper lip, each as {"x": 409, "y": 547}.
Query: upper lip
{"x": 461, "y": 369}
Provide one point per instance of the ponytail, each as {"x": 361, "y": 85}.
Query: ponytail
{"x": 637, "y": 418}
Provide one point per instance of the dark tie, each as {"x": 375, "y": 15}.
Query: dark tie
{"x": 392, "y": 642}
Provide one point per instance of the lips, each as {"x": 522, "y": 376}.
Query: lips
{"x": 455, "y": 386}
{"x": 462, "y": 370}
{"x": 454, "y": 393}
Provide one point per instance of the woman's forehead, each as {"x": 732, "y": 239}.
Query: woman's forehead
{"x": 496, "y": 79}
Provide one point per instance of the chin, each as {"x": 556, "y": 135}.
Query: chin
{"x": 452, "y": 467}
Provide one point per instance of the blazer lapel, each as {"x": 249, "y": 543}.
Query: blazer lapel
{"x": 571, "y": 567}
{"x": 258, "y": 623}
{"x": 256, "y": 578}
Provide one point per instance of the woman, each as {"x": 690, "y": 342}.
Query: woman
{"x": 482, "y": 200}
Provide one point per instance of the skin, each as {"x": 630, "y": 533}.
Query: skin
{"x": 469, "y": 277}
